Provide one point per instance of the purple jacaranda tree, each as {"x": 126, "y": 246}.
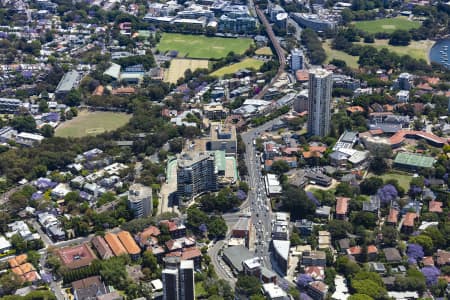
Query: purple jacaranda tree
{"x": 387, "y": 193}
{"x": 415, "y": 190}
{"x": 303, "y": 280}
{"x": 431, "y": 274}
{"x": 241, "y": 195}
{"x": 203, "y": 228}
{"x": 414, "y": 252}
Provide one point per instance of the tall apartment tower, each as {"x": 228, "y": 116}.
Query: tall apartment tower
{"x": 296, "y": 60}
{"x": 178, "y": 279}
{"x": 319, "y": 98}
{"x": 140, "y": 200}
{"x": 196, "y": 173}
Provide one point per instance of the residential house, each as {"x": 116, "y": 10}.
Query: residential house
{"x": 357, "y": 252}
{"x": 317, "y": 290}
{"x": 392, "y": 255}
{"x": 408, "y": 222}
{"x": 342, "y": 207}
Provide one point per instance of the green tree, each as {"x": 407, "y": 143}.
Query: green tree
{"x": 248, "y": 285}
{"x": 43, "y": 106}
{"x": 47, "y": 131}
{"x": 359, "y": 297}
{"x": 217, "y": 227}
{"x": 339, "y": 228}
{"x": 369, "y": 288}
{"x": 24, "y": 123}
{"x": 279, "y": 167}
{"x": 425, "y": 241}
{"x": 10, "y": 282}
{"x": 400, "y": 38}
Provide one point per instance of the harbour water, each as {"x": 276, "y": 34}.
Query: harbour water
{"x": 440, "y": 52}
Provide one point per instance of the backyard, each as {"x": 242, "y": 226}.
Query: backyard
{"x": 92, "y": 123}
{"x": 200, "y": 46}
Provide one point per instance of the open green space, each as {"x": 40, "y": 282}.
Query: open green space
{"x": 92, "y": 123}
{"x": 248, "y": 63}
{"x": 264, "y": 51}
{"x": 416, "y": 49}
{"x": 387, "y": 25}
{"x": 351, "y": 61}
{"x": 402, "y": 178}
{"x": 200, "y": 46}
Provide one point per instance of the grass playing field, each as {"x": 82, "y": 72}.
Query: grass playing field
{"x": 92, "y": 123}
{"x": 248, "y": 63}
{"x": 179, "y": 66}
{"x": 386, "y": 25}
{"x": 199, "y": 46}
{"x": 264, "y": 51}
{"x": 352, "y": 61}
{"x": 416, "y": 49}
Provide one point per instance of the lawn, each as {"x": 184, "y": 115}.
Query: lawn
{"x": 92, "y": 123}
{"x": 403, "y": 179}
{"x": 416, "y": 49}
{"x": 266, "y": 51}
{"x": 200, "y": 46}
{"x": 248, "y": 63}
{"x": 388, "y": 25}
{"x": 178, "y": 66}
{"x": 352, "y": 61}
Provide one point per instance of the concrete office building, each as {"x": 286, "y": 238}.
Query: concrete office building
{"x": 296, "y": 59}
{"x": 223, "y": 137}
{"x": 68, "y": 82}
{"x": 317, "y": 22}
{"x": 301, "y": 103}
{"x": 178, "y": 279}
{"x": 140, "y": 200}
{"x": 196, "y": 173}
{"x": 319, "y": 98}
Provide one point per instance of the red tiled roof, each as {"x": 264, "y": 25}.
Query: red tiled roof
{"x": 428, "y": 261}
{"x": 409, "y": 219}
{"x": 129, "y": 243}
{"x": 115, "y": 244}
{"x": 355, "y": 250}
{"x": 401, "y": 135}
{"x": 302, "y": 75}
{"x": 316, "y": 272}
{"x": 393, "y": 216}
{"x": 424, "y": 87}
{"x": 191, "y": 253}
{"x": 353, "y": 109}
{"x": 435, "y": 206}
{"x": 342, "y": 205}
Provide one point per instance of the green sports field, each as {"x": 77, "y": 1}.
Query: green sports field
{"x": 200, "y": 46}
{"x": 386, "y": 25}
{"x": 92, "y": 123}
{"x": 248, "y": 63}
